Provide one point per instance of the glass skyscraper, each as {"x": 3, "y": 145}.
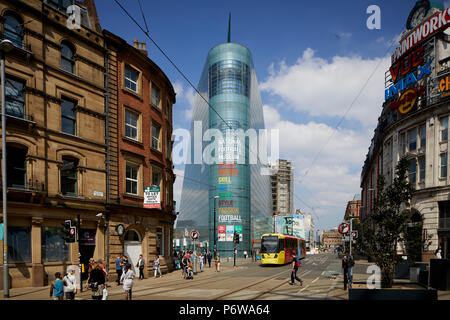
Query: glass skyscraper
{"x": 227, "y": 191}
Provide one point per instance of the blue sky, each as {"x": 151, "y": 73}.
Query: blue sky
{"x": 311, "y": 58}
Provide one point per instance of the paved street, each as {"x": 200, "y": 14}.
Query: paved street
{"x": 321, "y": 275}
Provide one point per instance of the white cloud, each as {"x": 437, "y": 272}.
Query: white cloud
{"x": 328, "y": 88}
{"x": 185, "y": 96}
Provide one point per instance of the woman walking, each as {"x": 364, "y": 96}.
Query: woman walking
{"x": 96, "y": 282}
{"x": 157, "y": 267}
{"x": 127, "y": 278}
{"x": 217, "y": 261}
{"x": 70, "y": 285}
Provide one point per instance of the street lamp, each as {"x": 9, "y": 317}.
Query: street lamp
{"x": 215, "y": 250}
{"x": 5, "y": 47}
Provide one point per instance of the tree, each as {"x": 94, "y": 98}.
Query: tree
{"x": 384, "y": 228}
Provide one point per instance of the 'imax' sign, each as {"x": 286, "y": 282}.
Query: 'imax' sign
{"x": 411, "y": 78}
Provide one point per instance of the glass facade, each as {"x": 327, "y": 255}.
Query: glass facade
{"x": 223, "y": 196}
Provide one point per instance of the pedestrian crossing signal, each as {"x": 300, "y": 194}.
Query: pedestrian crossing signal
{"x": 70, "y": 233}
{"x": 236, "y": 238}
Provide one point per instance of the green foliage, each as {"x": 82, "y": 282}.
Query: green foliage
{"x": 385, "y": 226}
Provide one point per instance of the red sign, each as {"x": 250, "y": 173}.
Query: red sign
{"x": 405, "y": 65}
{"x": 344, "y": 228}
{"x": 225, "y": 203}
{"x": 425, "y": 30}
{"x": 407, "y": 100}
{"x": 221, "y": 229}
{"x": 194, "y": 235}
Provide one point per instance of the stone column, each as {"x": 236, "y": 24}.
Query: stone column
{"x": 37, "y": 268}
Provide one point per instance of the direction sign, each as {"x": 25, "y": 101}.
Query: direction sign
{"x": 194, "y": 235}
{"x": 344, "y": 228}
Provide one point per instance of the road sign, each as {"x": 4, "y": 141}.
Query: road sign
{"x": 344, "y": 228}
{"x": 194, "y": 235}
{"x": 354, "y": 234}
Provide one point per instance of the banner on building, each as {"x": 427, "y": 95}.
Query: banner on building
{"x": 152, "y": 197}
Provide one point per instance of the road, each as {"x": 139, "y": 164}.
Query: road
{"x": 248, "y": 281}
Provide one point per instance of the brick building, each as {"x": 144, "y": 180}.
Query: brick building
{"x": 331, "y": 238}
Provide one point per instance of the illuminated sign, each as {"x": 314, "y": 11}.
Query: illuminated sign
{"x": 228, "y": 210}
{"x": 426, "y": 29}
{"x": 444, "y": 86}
{"x": 407, "y": 100}
{"x": 408, "y": 80}
{"x": 405, "y": 65}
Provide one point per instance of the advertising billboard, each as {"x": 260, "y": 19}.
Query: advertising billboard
{"x": 290, "y": 225}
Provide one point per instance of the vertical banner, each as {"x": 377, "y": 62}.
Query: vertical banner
{"x": 152, "y": 197}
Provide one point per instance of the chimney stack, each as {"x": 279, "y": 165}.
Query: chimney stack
{"x": 141, "y": 46}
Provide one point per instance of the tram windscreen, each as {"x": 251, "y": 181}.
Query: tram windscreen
{"x": 269, "y": 244}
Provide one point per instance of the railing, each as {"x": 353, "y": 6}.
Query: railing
{"x": 444, "y": 223}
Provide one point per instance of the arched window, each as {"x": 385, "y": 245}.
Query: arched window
{"x": 13, "y": 30}
{"x": 67, "y": 57}
{"x": 132, "y": 235}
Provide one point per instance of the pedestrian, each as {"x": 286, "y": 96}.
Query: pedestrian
{"x": 103, "y": 267}
{"x": 200, "y": 258}
{"x": 245, "y": 254}
{"x": 184, "y": 264}
{"x": 119, "y": 266}
{"x": 157, "y": 267}
{"x": 124, "y": 262}
{"x": 91, "y": 264}
{"x": 295, "y": 265}
{"x": 127, "y": 278}
{"x": 347, "y": 265}
{"x": 209, "y": 257}
{"x": 140, "y": 265}
{"x": 438, "y": 253}
{"x": 96, "y": 281}
{"x": 57, "y": 288}
{"x": 217, "y": 261}
{"x": 70, "y": 285}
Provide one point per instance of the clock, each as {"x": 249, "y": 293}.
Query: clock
{"x": 417, "y": 14}
{"x": 120, "y": 229}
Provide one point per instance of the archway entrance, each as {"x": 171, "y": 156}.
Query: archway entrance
{"x": 132, "y": 247}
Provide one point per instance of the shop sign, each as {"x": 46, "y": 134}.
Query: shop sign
{"x": 407, "y": 100}
{"x": 444, "y": 86}
{"x": 406, "y": 64}
{"x": 221, "y": 229}
{"x": 408, "y": 80}
{"x": 425, "y": 30}
{"x": 87, "y": 237}
{"x": 152, "y": 197}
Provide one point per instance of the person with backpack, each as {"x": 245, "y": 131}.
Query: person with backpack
{"x": 347, "y": 265}
{"x": 70, "y": 285}
{"x": 295, "y": 265}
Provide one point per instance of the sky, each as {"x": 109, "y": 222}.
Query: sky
{"x": 320, "y": 71}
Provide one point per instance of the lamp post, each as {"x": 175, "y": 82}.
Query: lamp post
{"x": 215, "y": 249}
{"x": 5, "y": 46}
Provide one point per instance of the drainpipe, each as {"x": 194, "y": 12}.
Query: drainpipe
{"x": 106, "y": 94}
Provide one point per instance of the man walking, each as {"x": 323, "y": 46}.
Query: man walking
{"x": 119, "y": 268}
{"x": 141, "y": 265}
{"x": 209, "y": 257}
{"x": 295, "y": 265}
{"x": 347, "y": 265}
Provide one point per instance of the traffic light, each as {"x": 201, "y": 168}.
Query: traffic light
{"x": 70, "y": 233}
{"x": 236, "y": 238}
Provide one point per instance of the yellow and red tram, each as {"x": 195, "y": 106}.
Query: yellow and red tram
{"x": 277, "y": 248}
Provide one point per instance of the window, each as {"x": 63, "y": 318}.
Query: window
{"x": 16, "y": 167}
{"x": 131, "y": 79}
{"x": 132, "y": 179}
{"x": 15, "y": 98}
{"x": 60, "y": 4}
{"x": 12, "y": 30}
{"x": 67, "y": 58}
{"x": 443, "y": 165}
{"x": 422, "y": 169}
{"x": 131, "y": 125}
{"x": 444, "y": 129}
{"x": 412, "y": 171}
{"x": 159, "y": 241}
{"x": 54, "y": 248}
{"x": 68, "y": 117}
{"x": 403, "y": 142}
{"x": 412, "y": 135}
{"x": 156, "y": 96}
{"x": 69, "y": 176}
{"x": 423, "y": 136}
{"x": 19, "y": 244}
{"x": 156, "y": 177}
{"x": 156, "y": 130}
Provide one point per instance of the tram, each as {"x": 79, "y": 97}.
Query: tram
{"x": 277, "y": 248}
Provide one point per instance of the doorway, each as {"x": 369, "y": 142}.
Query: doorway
{"x": 132, "y": 247}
